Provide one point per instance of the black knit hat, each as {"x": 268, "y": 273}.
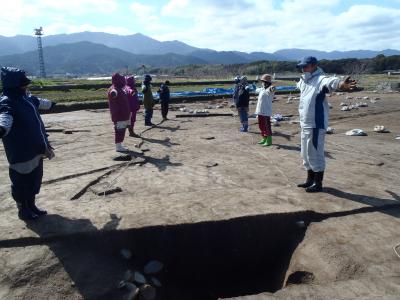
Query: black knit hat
{"x": 12, "y": 78}
{"x": 24, "y": 81}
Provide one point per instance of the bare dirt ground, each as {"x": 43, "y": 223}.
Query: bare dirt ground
{"x": 222, "y": 213}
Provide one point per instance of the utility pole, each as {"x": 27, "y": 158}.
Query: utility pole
{"x": 39, "y": 33}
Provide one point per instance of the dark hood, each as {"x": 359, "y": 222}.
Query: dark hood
{"x": 118, "y": 80}
{"x": 130, "y": 81}
{"x": 13, "y": 78}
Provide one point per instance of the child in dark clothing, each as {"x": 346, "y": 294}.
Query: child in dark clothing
{"x": 134, "y": 103}
{"x": 148, "y": 100}
{"x": 164, "y": 99}
{"x": 242, "y": 103}
{"x": 25, "y": 140}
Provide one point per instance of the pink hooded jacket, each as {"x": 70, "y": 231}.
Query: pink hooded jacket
{"x": 132, "y": 93}
{"x": 118, "y": 99}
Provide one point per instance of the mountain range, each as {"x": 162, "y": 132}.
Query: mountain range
{"x": 100, "y": 53}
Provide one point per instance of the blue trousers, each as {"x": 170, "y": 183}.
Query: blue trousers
{"x": 243, "y": 115}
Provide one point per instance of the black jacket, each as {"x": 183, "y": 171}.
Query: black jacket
{"x": 243, "y": 97}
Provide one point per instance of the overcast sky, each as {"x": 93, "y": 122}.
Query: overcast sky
{"x": 252, "y": 25}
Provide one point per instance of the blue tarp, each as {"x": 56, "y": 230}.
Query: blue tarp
{"x": 286, "y": 88}
{"x": 216, "y": 91}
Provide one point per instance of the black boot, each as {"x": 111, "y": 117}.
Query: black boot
{"x": 317, "y": 186}
{"x": 24, "y": 213}
{"x": 32, "y": 206}
{"x": 310, "y": 180}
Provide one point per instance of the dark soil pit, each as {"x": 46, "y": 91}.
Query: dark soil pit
{"x": 207, "y": 260}
{"x": 222, "y": 259}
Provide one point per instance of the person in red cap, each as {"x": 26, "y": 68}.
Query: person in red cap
{"x": 134, "y": 103}
{"x": 25, "y": 140}
{"x": 119, "y": 110}
{"x": 264, "y": 109}
{"x": 314, "y": 118}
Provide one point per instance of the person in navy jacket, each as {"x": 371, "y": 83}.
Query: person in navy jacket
{"x": 25, "y": 140}
{"x": 164, "y": 94}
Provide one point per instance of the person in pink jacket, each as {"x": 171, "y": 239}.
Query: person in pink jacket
{"x": 134, "y": 103}
{"x": 119, "y": 110}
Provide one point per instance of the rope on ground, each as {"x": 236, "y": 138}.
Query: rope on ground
{"x": 395, "y": 250}
{"x": 114, "y": 181}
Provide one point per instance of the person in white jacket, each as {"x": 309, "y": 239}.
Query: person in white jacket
{"x": 264, "y": 109}
{"x": 314, "y": 114}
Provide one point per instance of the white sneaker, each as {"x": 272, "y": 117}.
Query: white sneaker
{"x": 120, "y": 148}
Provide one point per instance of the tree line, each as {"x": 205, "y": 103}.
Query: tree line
{"x": 374, "y": 65}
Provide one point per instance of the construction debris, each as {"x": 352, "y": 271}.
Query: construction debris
{"x": 356, "y": 132}
{"x": 104, "y": 189}
{"x": 211, "y": 164}
{"x": 381, "y": 129}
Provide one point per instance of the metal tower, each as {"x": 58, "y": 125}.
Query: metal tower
{"x": 39, "y": 33}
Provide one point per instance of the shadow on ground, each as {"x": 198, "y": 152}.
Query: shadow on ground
{"x": 207, "y": 260}
{"x": 298, "y": 149}
{"x": 368, "y": 200}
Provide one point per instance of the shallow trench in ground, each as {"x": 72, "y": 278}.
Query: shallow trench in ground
{"x": 207, "y": 260}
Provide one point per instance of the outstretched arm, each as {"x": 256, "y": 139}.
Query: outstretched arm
{"x": 6, "y": 117}
{"x": 41, "y": 103}
{"x": 334, "y": 83}
{"x": 348, "y": 85}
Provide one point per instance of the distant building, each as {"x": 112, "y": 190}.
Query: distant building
{"x": 391, "y": 72}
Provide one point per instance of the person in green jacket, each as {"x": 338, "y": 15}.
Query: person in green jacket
{"x": 148, "y": 100}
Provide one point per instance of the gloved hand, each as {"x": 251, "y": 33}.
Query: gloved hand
{"x": 2, "y": 132}
{"x": 52, "y": 105}
{"x": 49, "y": 153}
{"x": 348, "y": 85}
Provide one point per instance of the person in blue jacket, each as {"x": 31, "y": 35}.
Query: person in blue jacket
{"x": 242, "y": 103}
{"x": 24, "y": 139}
{"x": 236, "y": 89}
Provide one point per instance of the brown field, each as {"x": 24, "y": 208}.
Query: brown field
{"x": 222, "y": 213}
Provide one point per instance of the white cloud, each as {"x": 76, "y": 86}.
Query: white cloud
{"x": 58, "y": 27}
{"x": 140, "y": 9}
{"x": 174, "y": 7}
{"x": 260, "y": 25}
{"x": 147, "y": 15}
{"x": 78, "y": 6}
{"x": 245, "y": 25}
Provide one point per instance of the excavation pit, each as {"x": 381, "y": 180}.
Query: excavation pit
{"x": 206, "y": 260}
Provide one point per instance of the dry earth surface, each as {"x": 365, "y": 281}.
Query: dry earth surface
{"x": 222, "y": 213}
